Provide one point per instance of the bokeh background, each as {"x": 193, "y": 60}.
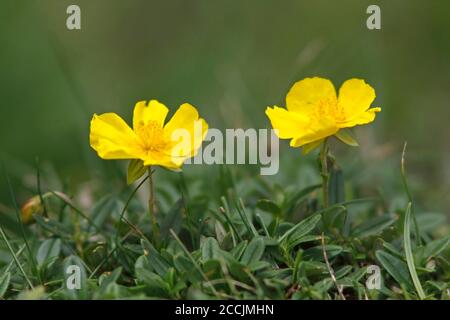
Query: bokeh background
{"x": 231, "y": 59}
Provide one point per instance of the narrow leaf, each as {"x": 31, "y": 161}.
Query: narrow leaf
{"x": 373, "y": 226}
{"x": 408, "y": 252}
{"x": 395, "y": 267}
{"x": 268, "y": 206}
{"x": 301, "y": 229}
{"x": 4, "y": 283}
{"x": 254, "y": 251}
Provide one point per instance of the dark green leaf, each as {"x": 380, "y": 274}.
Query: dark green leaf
{"x": 173, "y": 219}
{"x": 301, "y": 229}
{"x": 374, "y": 226}
{"x": 254, "y": 251}
{"x": 395, "y": 267}
{"x": 316, "y": 253}
{"x": 268, "y": 206}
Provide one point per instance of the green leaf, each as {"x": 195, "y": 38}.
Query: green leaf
{"x": 254, "y": 251}
{"x": 316, "y": 253}
{"x": 106, "y": 279}
{"x": 184, "y": 265}
{"x": 54, "y": 227}
{"x": 301, "y": 229}
{"x": 173, "y": 219}
{"x": 237, "y": 251}
{"x": 392, "y": 249}
{"x": 346, "y": 136}
{"x": 343, "y": 271}
{"x": 395, "y": 267}
{"x": 409, "y": 254}
{"x": 155, "y": 285}
{"x": 106, "y": 207}
{"x": 432, "y": 249}
{"x": 156, "y": 261}
{"x": 268, "y": 206}
{"x": 298, "y": 196}
{"x": 302, "y": 239}
{"x": 48, "y": 251}
{"x": 4, "y": 283}
{"x": 334, "y": 217}
{"x": 430, "y": 221}
{"x": 210, "y": 249}
{"x": 135, "y": 171}
{"x": 373, "y": 226}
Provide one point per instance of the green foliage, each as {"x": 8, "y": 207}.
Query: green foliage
{"x": 261, "y": 243}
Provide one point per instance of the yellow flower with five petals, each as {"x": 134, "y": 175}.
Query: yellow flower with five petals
{"x": 314, "y": 111}
{"x": 150, "y": 140}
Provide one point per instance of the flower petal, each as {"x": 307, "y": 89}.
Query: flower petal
{"x": 288, "y": 124}
{"x": 307, "y": 93}
{"x": 355, "y": 97}
{"x": 165, "y": 163}
{"x": 325, "y": 127}
{"x": 187, "y": 131}
{"x": 154, "y": 111}
{"x": 187, "y": 147}
{"x": 184, "y": 117}
{"x": 112, "y": 138}
{"x": 362, "y": 118}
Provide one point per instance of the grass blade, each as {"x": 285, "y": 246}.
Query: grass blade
{"x": 408, "y": 193}
{"x": 408, "y": 252}
{"x": 15, "y": 258}
{"x": 22, "y": 229}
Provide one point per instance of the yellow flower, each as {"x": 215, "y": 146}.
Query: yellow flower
{"x": 155, "y": 143}
{"x": 314, "y": 112}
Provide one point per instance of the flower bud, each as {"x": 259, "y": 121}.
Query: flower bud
{"x": 31, "y": 206}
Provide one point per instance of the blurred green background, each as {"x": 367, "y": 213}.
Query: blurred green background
{"x": 230, "y": 59}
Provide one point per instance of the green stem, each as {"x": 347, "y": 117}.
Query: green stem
{"x": 151, "y": 206}
{"x": 324, "y": 173}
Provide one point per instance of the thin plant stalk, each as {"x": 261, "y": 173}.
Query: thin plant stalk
{"x": 325, "y": 175}
{"x": 151, "y": 205}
